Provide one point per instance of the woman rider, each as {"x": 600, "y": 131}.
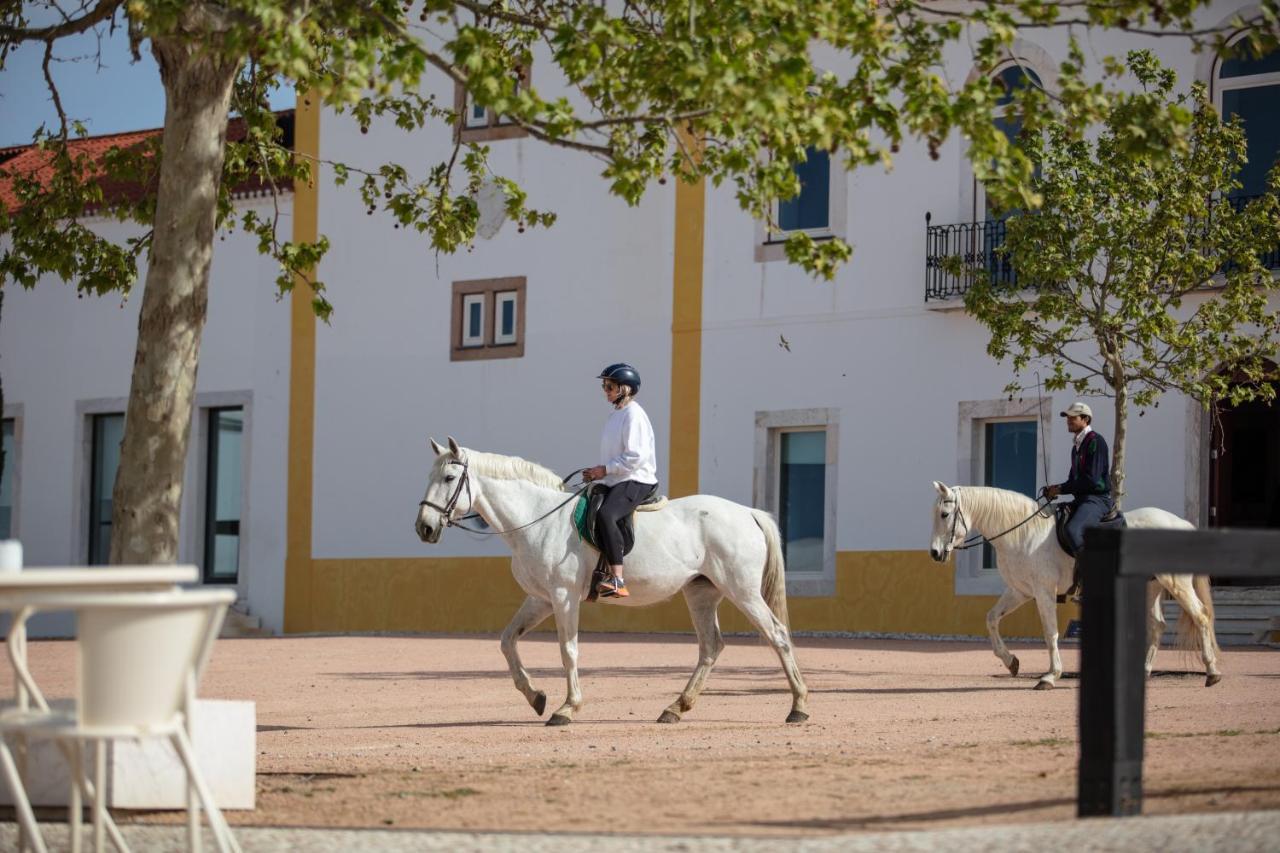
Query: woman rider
{"x": 629, "y": 468}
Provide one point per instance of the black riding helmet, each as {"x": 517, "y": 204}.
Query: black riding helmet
{"x": 623, "y": 374}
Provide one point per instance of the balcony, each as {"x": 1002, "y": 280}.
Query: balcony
{"x": 973, "y": 245}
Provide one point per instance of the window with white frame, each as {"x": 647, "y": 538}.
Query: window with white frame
{"x": 473, "y": 317}
{"x": 796, "y": 480}
{"x": 488, "y": 319}
{"x": 1012, "y": 78}
{"x": 224, "y": 455}
{"x": 1001, "y": 445}
{"x": 8, "y": 477}
{"x": 1249, "y": 88}
{"x": 504, "y": 317}
{"x": 810, "y": 210}
{"x": 481, "y": 124}
{"x": 106, "y": 431}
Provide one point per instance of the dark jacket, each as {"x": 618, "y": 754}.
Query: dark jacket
{"x": 1090, "y": 469}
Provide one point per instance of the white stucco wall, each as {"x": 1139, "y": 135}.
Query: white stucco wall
{"x": 62, "y": 358}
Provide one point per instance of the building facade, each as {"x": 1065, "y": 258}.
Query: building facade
{"x": 833, "y": 404}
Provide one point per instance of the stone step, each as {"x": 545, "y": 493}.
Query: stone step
{"x": 1237, "y": 622}
{"x": 240, "y": 623}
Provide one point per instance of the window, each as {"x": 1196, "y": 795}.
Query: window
{"x": 108, "y": 432}
{"x": 504, "y": 331}
{"x": 480, "y": 124}
{"x": 8, "y": 477}
{"x": 802, "y": 463}
{"x": 488, "y": 319}
{"x": 222, "y": 495}
{"x": 998, "y": 445}
{"x": 1012, "y": 78}
{"x": 810, "y": 211}
{"x": 1008, "y": 462}
{"x": 795, "y": 479}
{"x": 1250, "y": 88}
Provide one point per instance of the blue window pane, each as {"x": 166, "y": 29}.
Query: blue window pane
{"x": 811, "y": 208}
{"x": 1012, "y": 79}
{"x": 509, "y": 317}
{"x": 1010, "y": 453}
{"x": 222, "y": 496}
{"x": 474, "y": 319}
{"x": 802, "y": 499}
{"x": 108, "y": 432}
{"x": 1244, "y": 64}
{"x": 6, "y": 479}
{"x": 1259, "y": 109}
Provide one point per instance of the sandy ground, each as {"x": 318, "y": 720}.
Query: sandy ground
{"x": 429, "y": 732}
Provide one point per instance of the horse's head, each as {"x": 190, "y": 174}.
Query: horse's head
{"x": 950, "y": 527}
{"x": 449, "y": 492}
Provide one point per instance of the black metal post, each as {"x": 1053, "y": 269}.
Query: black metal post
{"x": 1112, "y": 681}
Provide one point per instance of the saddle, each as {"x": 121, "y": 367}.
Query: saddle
{"x": 1062, "y": 514}
{"x": 584, "y": 519}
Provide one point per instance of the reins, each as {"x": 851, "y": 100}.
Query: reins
{"x": 465, "y": 481}
{"x": 983, "y": 540}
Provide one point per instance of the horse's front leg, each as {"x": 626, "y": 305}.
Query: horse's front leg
{"x": 1047, "y": 606}
{"x": 533, "y": 611}
{"x": 1008, "y": 602}
{"x": 565, "y": 603}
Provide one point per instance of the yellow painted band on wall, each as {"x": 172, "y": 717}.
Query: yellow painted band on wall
{"x": 299, "y": 591}
{"x": 686, "y": 338}
{"x": 878, "y": 591}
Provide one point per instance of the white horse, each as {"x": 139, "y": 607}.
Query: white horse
{"x": 1034, "y": 566}
{"x": 706, "y": 547}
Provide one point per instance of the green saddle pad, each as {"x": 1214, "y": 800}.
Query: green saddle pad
{"x": 580, "y": 521}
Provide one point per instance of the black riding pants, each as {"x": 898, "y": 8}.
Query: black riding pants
{"x": 621, "y": 501}
{"x": 1087, "y": 512}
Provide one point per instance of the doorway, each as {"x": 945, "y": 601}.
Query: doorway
{"x": 1244, "y": 468}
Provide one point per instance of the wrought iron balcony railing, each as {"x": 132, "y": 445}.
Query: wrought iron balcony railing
{"x": 958, "y": 255}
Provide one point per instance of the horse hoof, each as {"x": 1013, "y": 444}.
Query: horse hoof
{"x": 797, "y": 717}
{"x": 1212, "y": 679}
{"x": 669, "y": 717}
{"x": 558, "y": 720}
{"x": 1044, "y": 685}
{"x": 1013, "y": 666}
{"x": 539, "y": 703}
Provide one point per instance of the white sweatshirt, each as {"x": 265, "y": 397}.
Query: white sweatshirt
{"x": 627, "y": 449}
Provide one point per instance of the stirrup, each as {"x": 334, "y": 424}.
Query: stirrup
{"x": 612, "y": 587}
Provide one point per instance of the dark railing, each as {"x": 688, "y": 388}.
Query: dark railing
{"x": 958, "y": 255}
{"x": 1117, "y": 565}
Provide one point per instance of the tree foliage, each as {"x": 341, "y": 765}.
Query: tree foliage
{"x": 728, "y": 91}
{"x": 1140, "y": 275}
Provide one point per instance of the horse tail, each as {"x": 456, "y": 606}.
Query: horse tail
{"x": 774, "y": 584}
{"x": 1188, "y": 630}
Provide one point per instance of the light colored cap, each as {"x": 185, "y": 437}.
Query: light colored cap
{"x": 1078, "y": 408}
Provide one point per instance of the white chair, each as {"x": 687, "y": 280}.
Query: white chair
{"x": 140, "y": 657}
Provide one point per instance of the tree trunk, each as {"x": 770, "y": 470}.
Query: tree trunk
{"x": 148, "y": 487}
{"x": 1121, "y": 387}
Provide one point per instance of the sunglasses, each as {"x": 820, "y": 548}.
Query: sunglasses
{"x": 609, "y": 386}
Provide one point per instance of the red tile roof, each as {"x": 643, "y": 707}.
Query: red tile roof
{"x": 29, "y": 160}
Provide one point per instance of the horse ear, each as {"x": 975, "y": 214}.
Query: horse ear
{"x": 453, "y": 446}
{"x": 436, "y": 447}
{"x": 942, "y": 489}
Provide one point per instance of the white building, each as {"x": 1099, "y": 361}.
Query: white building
{"x": 849, "y": 396}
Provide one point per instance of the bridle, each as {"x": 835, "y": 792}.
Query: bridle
{"x": 464, "y": 482}
{"x": 982, "y": 540}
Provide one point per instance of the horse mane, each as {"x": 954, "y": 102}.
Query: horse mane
{"x": 1002, "y": 509}
{"x": 501, "y": 467}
